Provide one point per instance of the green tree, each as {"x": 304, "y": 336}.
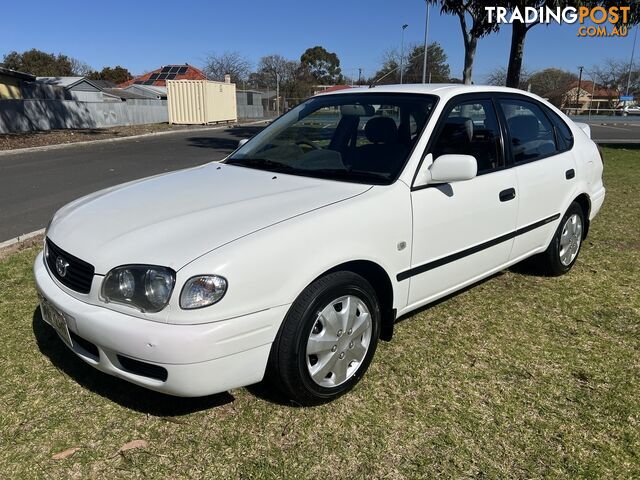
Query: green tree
{"x": 322, "y": 65}
{"x": 116, "y": 74}
{"x": 438, "y": 70}
{"x": 39, "y": 63}
{"x": 552, "y": 84}
{"x": 474, "y": 24}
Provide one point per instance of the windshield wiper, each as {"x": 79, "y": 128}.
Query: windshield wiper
{"x": 260, "y": 163}
{"x": 348, "y": 174}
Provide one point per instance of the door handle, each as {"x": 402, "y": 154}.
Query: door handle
{"x": 569, "y": 174}
{"x": 508, "y": 194}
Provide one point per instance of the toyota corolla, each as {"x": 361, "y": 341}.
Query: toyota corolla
{"x": 291, "y": 258}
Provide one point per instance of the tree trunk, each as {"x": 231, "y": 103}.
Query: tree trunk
{"x": 469, "y": 54}
{"x": 518, "y": 35}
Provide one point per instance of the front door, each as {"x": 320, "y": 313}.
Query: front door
{"x": 462, "y": 231}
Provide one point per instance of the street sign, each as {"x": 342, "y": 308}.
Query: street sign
{"x": 626, "y": 98}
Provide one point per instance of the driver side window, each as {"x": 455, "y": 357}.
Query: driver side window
{"x": 471, "y": 128}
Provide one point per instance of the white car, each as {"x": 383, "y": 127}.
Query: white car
{"x": 293, "y": 256}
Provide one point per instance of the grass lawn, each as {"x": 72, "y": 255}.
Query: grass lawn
{"x": 520, "y": 376}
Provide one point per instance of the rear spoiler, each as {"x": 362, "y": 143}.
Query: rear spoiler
{"x": 585, "y": 128}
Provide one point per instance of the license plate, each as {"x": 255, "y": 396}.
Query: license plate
{"x": 56, "y": 319}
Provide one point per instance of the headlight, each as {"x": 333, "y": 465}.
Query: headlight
{"x": 147, "y": 287}
{"x": 202, "y": 291}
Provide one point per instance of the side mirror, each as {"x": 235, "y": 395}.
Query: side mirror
{"x": 242, "y": 142}
{"x": 447, "y": 169}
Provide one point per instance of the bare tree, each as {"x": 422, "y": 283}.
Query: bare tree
{"x": 498, "y": 77}
{"x": 228, "y": 63}
{"x": 80, "y": 68}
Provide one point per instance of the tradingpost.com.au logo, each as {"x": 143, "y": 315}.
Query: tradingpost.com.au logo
{"x": 608, "y": 22}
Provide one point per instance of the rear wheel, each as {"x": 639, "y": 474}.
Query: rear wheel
{"x": 564, "y": 248}
{"x": 327, "y": 340}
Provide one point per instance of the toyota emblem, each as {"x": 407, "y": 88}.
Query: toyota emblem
{"x": 61, "y": 266}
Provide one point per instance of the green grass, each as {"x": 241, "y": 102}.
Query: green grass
{"x": 520, "y": 376}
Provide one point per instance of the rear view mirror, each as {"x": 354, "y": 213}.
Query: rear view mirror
{"x": 242, "y": 142}
{"x": 453, "y": 168}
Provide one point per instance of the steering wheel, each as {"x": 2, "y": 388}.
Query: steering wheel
{"x": 308, "y": 144}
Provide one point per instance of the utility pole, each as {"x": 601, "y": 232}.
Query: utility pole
{"x": 633, "y": 52}
{"x": 360, "y": 76}
{"x": 426, "y": 38}
{"x": 277, "y": 94}
{"x": 579, "y": 87}
{"x": 402, "y": 51}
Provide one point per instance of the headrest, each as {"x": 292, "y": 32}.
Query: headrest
{"x": 357, "y": 110}
{"x": 458, "y": 128}
{"x": 524, "y": 127}
{"x": 381, "y": 130}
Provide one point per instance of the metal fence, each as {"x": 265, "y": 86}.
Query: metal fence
{"x": 41, "y": 114}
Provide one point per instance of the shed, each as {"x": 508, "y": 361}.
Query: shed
{"x": 148, "y": 91}
{"x": 193, "y": 102}
{"x": 249, "y": 104}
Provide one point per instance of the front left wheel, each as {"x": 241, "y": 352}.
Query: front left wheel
{"x": 327, "y": 339}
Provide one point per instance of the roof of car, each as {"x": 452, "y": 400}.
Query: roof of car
{"x": 429, "y": 88}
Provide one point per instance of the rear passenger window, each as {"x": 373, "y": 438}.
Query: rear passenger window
{"x": 530, "y": 131}
{"x": 471, "y": 128}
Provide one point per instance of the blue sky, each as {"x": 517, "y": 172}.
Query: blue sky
{"x": 143, "y": 35}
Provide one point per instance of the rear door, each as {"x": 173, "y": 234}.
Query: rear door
{"x": 544, "y": 167}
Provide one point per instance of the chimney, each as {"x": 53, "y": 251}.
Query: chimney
{"x": 227, "y": 78}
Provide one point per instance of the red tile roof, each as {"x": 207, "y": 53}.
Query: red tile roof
{"x": 599, "y": 91}
{"x": 159, "y": 77}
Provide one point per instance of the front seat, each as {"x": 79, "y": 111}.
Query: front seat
{"x": 385, "y": 152}
{"x": 525, "y": 138}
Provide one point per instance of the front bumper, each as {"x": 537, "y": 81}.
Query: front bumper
{"x": 199, "y": 359}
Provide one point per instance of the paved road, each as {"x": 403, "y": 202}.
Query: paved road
{"x": 616, "y": 131}
{"x": 34, "y": 185}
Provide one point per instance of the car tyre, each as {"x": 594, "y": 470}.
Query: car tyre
{"x": 327, "y": 340}
{"x": 565, "y": 245}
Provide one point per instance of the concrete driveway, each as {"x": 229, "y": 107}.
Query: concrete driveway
{"x": 33, "y": 185}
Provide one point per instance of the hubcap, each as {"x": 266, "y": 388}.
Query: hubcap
{"x": 570, "y": 239}
{"x": 339, "y": 341}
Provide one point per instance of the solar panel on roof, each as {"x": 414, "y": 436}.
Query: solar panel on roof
{"x": 154, "y": 76}
{"x": 162, "y": 76}
{"x": 182, "y": 70}
{"x": 171, "y": 76}
{"x": 174, "y": 69}
{"x": 138, "y": 82}
{"x": 166, "y": 70}
{"x": 148, "y": 82}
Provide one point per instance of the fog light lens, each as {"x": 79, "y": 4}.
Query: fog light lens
{"x": 202, "y": 291}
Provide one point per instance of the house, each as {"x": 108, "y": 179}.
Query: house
{"x": 11, "y": 82}
{"x": 159, "y": 77}
{"x": 592, "y": 96}
{"x": 81, "y": 88}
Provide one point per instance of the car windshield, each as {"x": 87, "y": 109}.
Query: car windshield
{"x": 354, "y": 137}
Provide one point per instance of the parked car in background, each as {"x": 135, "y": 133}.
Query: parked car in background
{"x": 295, "y": 255}
{"x": 629, "y": 110}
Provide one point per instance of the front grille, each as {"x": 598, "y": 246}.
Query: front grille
{"x": 78, "y": 275}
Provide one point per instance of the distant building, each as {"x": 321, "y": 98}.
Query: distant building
{"x": 159, "y": 77}
{"x": 148, "y": 91}
{"x": 328, "y": 88}
{"x": 81, "y": 89}
{"x": 11, "y": 82}
{"x": 592, "y": 96}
